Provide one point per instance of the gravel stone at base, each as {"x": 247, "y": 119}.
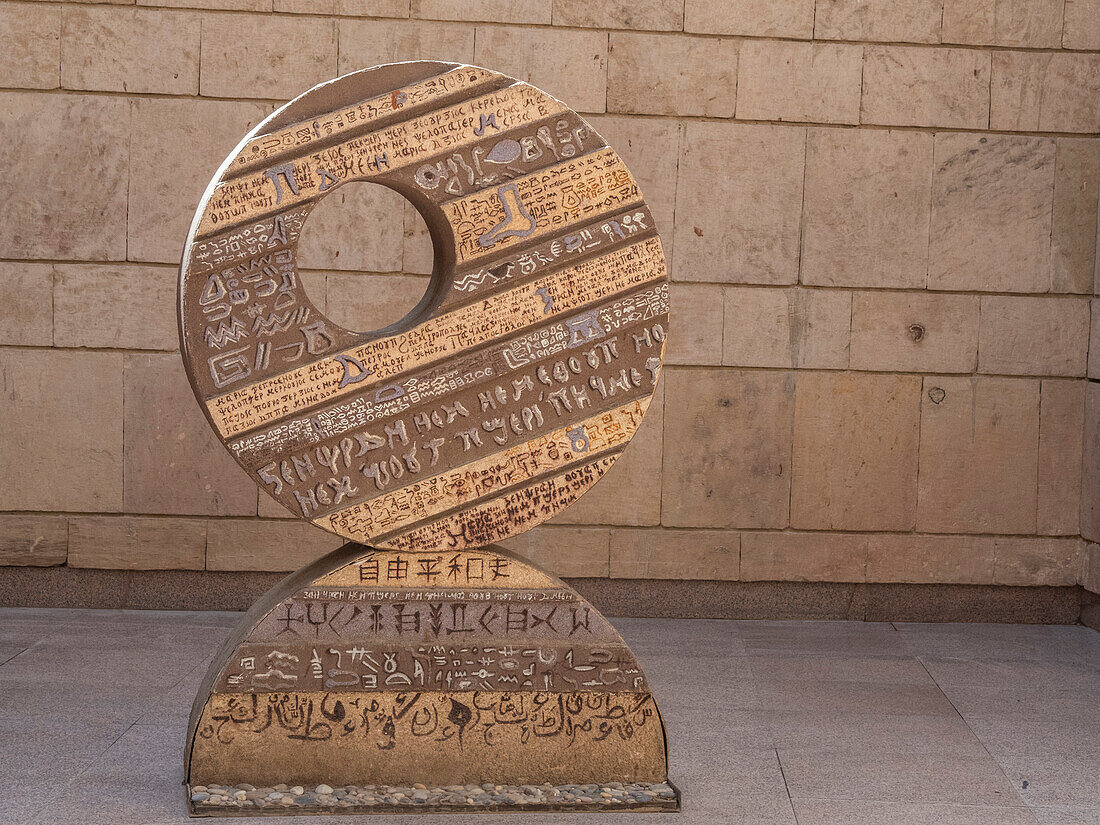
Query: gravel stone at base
{"x": 225, "y": 798}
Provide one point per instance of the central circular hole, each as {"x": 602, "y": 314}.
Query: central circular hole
{"x": 365, "y": 256}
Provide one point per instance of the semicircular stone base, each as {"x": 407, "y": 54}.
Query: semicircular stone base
{"x": 379, "y": 679}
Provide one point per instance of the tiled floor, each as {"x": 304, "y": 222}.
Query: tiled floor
{"x": 799, "y": 723}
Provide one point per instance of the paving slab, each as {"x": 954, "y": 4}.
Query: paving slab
{"x": 10, "y": 650}
{"x": 1039, "y": 738}
{"x": 833, "y": 812}
{"x": 871, "y": 733}
{"x": 903, "y": 777}
{"x": 1035, "y": 699}
{"x": 826, "y": 697}
{"x": 885, "y": 670}
{"x": 1061, "y": 674}
{"x": 1067, "y": 780}
{"x": 1034, "y": 643}
{"x": 1068, "y": 815}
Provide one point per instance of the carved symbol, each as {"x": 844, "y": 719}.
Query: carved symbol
{"x": 225, "y": 334}
{"x": 517, "y": 221}
{"x": 486, "y": 121}
{"x": 286, "y": 171}
{"x": 579, "y": 439}
{"x": 547, "y": 300}
{"x": 317, "y": 338}
{"x": 328, "y": 180}
{"x": 278, "y": 231}
{"x": 360, "y": 373}
{"x": 504, "y": 151}
{"x": 229, "y": 367}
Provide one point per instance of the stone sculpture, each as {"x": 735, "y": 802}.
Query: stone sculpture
{"x": 420, "y": 666}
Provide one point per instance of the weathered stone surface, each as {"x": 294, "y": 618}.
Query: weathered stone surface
{"x": 855, "y": 449}
{"x": 1061, "y": 430}
{"x": 566, "y": 551}
{"x": 78, "y": 395}
{"x": 1081, "y": 28}
{"x": 1073, "y": 240}
{"x": 1035, "y": 24}
{"x": 264, "y": 56}
{"x": 115, "y": 305}
{"x": 696, "y": 314}
{"x": 926, "y": 559}
{"x": 132, "y": 50}
{"x": 347, "y": 8}
{"x": 167, "y": 182}
{"x": 1094, "y": 337}
{"x": 652, "y": 15}
{"x": 834, "y": 557}
{"x": 630, "y": 492}
{"x": 26, "y": 304}
{"x": 675, "y": 554}
{"x": 333, "y": 236}
{"x": 368, "y": 302}
{"x": 222, "y": 5}
{"x": 727, "y": 448}
{"x": 1045, "y": 91}
{"x": 757, "y": 18}
{"x": 911, "y": 86}
{"x": 1033, "y": 335}
{"x": 650, "y": 147}
{"x": 866, "y": 212}
{"x": 978, "y": 455}
{"x": 570, "y": 65}
{"x": 126, "y": 543}
{"x": 756, "y": 173}
{"x": 1036, "y": 562}
{"x": 33, "y": 540}
{"x": 255, "y": 544}
{"x": 1090, "y": 477}
{"x": 663, "y": 74}
{"x": 30, "y": 45}
{"x": 914, "y": 332}
{"x": 1090, "y": 568}
{"x": 366, "y": 43}
{"x": 810, "y": 82}
{"x": 53, "y": 140}
{"x": 992, "y": 197}
{"x": 494, "y": 11}
{"x": 174, "y": 463}
{"x": 884, "y": 21}
{"x": 786, "y": 327}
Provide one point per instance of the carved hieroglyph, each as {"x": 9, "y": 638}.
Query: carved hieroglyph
{"x": 514, "y": 384}
{"x": 431, "y": 656}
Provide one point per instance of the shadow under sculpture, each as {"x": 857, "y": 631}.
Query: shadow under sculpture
{"x": 422, "y": 667}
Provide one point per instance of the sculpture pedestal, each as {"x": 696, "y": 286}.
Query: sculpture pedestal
{"x": 383, "y": 680}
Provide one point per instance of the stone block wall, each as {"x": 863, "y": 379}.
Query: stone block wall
{"x": 881, "y": 217}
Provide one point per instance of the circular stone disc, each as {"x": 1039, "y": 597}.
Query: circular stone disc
{"x": 518, "y": 379}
